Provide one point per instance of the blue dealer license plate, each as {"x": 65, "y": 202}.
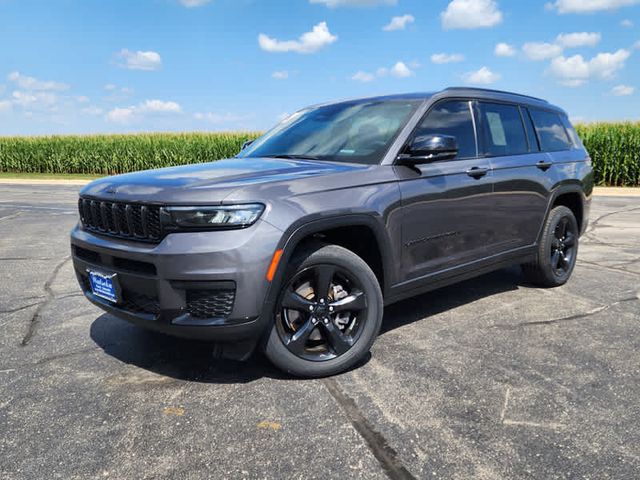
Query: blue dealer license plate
{"x": 104, "y": 286}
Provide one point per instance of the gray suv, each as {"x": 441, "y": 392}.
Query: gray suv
{"x": 296, "y": 245}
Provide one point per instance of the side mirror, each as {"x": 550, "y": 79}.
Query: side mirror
{"x": 246, "y": 144}
{"x": 429, "y": 148}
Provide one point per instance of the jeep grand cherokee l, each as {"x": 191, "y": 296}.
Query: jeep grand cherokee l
{"x": 296, "y": 245}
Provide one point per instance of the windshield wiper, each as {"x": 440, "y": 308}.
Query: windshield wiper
{"x": 295, "y": 157}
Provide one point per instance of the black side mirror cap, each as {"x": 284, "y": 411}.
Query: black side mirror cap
{"x": 246, "y": 144}
{"x": 429, "y": 148}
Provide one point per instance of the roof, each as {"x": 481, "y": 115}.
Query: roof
{"x": 482, "y": 93}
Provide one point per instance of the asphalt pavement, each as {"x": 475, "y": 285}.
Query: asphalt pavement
{"x": 490, "y": 378}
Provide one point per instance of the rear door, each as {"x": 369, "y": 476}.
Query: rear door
{"x": 446, "y": 204}
{"x": 522, "y": 174}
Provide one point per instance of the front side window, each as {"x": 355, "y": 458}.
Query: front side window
{"x": 503, "y": 131}
{"x": 552, "y": 134}
{"x": 452, "y": 118}
{"x": 359, "y": 131}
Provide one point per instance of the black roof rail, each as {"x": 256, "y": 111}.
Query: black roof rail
{"x": 489, "y": 90}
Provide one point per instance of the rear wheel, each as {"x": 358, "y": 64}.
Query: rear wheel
{"x": 328, "y": 313}
{"x": 557, "y": 251}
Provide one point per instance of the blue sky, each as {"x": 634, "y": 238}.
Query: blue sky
{"x": 90, "y": 66}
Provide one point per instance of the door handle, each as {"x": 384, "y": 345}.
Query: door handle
{"x": 544, "y": 165}
{"x": 477, "y": 172}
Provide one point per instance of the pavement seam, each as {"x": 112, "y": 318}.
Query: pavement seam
{"x": 377, "y": 443}
{"x": 35, "y": 319}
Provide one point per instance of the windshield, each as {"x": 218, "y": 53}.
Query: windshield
{"x": 356, "y": 132}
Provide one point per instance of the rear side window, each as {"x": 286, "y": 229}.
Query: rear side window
{"x": 577, "y": 142}
{"x": 551, "y": 132}
{"x": 531, "y": 133}
{"x": 503, "y": 131}
{"x": 452, "y": 118}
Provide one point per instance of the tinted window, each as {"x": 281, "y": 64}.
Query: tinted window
{"x": 575, "y": 139}
{"x": 452, "y": 118}
{"x": 503, "y": 131}
{"x": 552, "y": 134}
{"x": 531, "y": 133}
{"x": 359, "y": 131}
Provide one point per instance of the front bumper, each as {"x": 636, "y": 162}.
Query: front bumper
{"x": 200, "y": 285}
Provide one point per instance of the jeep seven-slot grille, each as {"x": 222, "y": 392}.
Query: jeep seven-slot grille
{"x": 124, "y": 220}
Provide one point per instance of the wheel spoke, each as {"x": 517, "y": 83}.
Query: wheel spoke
{"x": 570, "y": 239}
{"x": 323, "y": 278}
{"x": 294, "y": 301}
{"x": 298, "y": 341}
{"x": 562, "y": 228}
{"x": 352, "y": 303}
{"x": 339, "y": 342}
{"x": 555, "y": 260}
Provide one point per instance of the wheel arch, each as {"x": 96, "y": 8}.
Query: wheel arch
{"x": 570, "y": 195}
{"x": 375, "y": 250}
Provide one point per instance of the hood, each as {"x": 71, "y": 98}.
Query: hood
{"x": 208, "y": 182}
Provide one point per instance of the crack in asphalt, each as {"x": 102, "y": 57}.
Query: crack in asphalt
{"x": 17, "y": 309}
{"x": 35, "y": 319}
{"x": 578, "y": 316}
{"x": 377, "y": 443}
{"x": 589, "y": 235}
{"x": 10, "y": 216}
{"x": 607, "y": 267}
{"x": 14, "y": 259}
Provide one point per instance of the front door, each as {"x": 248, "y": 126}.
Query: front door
{"x": 447, "y": 205}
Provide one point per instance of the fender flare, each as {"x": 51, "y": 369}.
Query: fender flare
{"x": 561, "y": 189}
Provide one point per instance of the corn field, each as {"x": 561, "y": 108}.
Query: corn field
{"x": 112, "y": 154}
{"x": 615, "y": 151}
{"x": 614, "y": 148}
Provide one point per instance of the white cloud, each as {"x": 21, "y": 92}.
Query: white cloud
{"x": 308, "y": 42}
{"x": 34, "y": 99}
{"x": 636, "y": 45}
{"x": 626, "y": 23}
{"x": 194, "y": 3}
{"x": 139, "y": 60}
{"x": 221, "y": 118}
{"x": 504, "y": 50}
{"x": 399, "y": 23}
{"x": 399, "y": 70}
{"x": 471, "y": 14}
{"x": 354, "y": 3}
{"x": 280, "y": 75}
{"x": 148, "y": 107}
{"x": 441, "y": 58}
{"x": 578, "y": 39}
{"x": 484, "y": 76}
{"x": 92, "y": 110}
{"x": 5, "y": 106}
{"x": 541, "y": 51}
{"x": 82, "y": 98}
{"x": 589, "y": 6}
{"x": 29, "y": 83}
{"x": 622, "y": 90}
{"x": 575, "y": 71}
{"x": 121, "y": 115}
{"x": 363, "y": 77}
{"x": 159, "y": 106}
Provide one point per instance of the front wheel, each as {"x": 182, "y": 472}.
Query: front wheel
{"x": 328, "y": 313}
{"x": 557, "y": 251}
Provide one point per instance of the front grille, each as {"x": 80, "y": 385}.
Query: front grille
{"x": 139, "y": 303}
{"x": 124, "y": 220}
{"x": 210, "y": 303}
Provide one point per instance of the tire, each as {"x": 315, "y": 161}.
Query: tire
{"x": 557, "y": 250}
{"x": 322, "y": 335}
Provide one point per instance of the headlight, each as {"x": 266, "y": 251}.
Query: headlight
{"x": 224, "y": 216}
